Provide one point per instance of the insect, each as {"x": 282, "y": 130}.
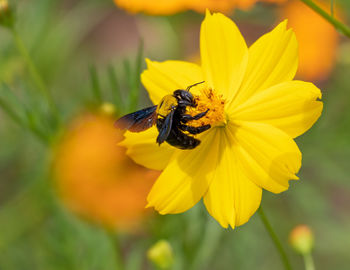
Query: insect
{"x": 171, "y": 119}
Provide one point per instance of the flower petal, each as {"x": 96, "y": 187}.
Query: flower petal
{"x": 144, "y": 150}
{"x": 290, "y": 106}
{"x": 186, "y": 178}
{"x": 163, "y": 78}
{"x": 269, "y": 157}
{"x": 224, "y": 54}
{"x": 231, "y": 198}
{"x": 273, "y": 59}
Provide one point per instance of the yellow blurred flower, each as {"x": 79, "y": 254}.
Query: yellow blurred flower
{"x": 256, "y": 109}
{"x": 317, "y": 38}
{"x": 96, "y": 179}
{"x": 166, "y": 7}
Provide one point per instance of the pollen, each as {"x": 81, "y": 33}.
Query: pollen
{"x": 214, "y": 103}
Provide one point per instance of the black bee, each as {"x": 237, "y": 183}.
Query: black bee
{"x": 170, "y": 117}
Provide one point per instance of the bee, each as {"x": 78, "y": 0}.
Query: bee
{"x": 171, "y": 120}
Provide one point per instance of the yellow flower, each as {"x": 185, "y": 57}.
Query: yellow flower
{"x": 96, "y": 179}
{"x": 250, "y": 145}
{"x": 166, "y": 7}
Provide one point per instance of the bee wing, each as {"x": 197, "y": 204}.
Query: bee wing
{"x": 138, "y": 121}
{"x": 165, "y": 129}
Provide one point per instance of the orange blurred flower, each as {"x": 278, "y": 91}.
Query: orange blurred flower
{"x": 318, "y": 40}
{"x": 96, "y": 179}
{"x": 274, "y": 1}
{"x": 166, "y": 7}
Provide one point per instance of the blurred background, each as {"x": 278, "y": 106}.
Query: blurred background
{"x": 69, "y": 196}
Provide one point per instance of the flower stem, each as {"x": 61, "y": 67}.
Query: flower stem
{"x": 37, "y": 79}
{"x": 275, "y": 239}
{"x": 208, "y": 245}
{"x": 329, "y": 17}
{"x": 309, "y": 262}
{"x": 117, "y": 249}
{"x": 332, "y": 8}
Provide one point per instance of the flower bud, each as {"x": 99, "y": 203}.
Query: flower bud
{"x": 301, "y": 239}
{"x": 4, "y": 6}
{"x": 161, "y": 254}
{"x": 108, "y": 108}
{"x": 6, "y": 14}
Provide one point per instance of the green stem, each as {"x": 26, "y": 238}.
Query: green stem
{"x": 337, "y": 24}
{"x": 208, "y": 246}
{"x": 275, "y": 239}
{"x": 37, "y": 79}
{"x": 309, "y": 262}
{"x": 117, "y": 249}
{"x": 332, "y": 8}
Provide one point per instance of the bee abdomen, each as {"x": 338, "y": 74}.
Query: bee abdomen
{"x": 181, "y": 140}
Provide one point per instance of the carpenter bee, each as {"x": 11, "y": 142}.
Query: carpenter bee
{"x": 170, "y": 117}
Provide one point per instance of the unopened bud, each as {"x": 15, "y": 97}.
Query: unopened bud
{"x": 301, "y": 239}
{"x": 161, "y": 254}
{"x": 107, "y": 108}
{"x": 4, "y": 5}
{"x": 6, "y": 14}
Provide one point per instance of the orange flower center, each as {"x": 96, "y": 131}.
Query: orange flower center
{"x": 209, "y": 100}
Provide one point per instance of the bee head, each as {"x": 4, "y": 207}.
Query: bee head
{"x": 184, "y": 98}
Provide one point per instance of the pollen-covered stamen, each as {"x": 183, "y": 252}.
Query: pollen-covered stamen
{"x": 214, "y": 103}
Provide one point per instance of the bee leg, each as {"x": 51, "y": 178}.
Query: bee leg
{"x": 194, "y": 130}
{"x": 186, "y": 117}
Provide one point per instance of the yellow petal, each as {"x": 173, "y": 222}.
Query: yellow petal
{"x": 163, "y": 78}
{"x": 232, "y": 198}
{"x": 269, "y": 157}
{"x": 144, "y": 150}
{"x": 224, "y": 54}
{"x": 273, "y": 59}
{"x": 186, "y": 178}
{"x": 290, "y": 106}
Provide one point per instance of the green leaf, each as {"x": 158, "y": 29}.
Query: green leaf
{"x": 117, "y": 97}
{"x": 95, "y": 84}
{"x": 133, "y": 78}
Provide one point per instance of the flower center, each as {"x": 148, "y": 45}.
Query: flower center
{"x": 208, "y": 99}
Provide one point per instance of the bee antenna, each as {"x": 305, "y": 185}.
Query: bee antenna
{"x": 188, "y": 88}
